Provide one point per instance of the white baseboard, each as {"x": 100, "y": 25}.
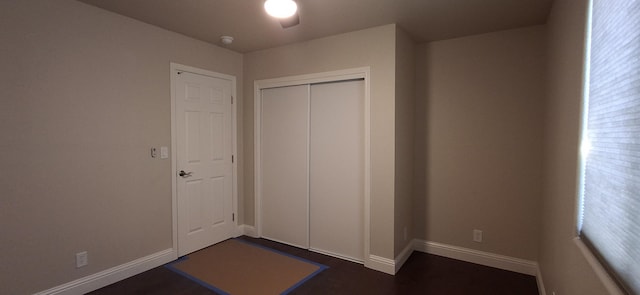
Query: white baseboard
{"x": 403, "y": 256}
{"x": 478, "y": 257}
{"x": 249, "y": 230}
{"x": 382, "y": 264}
{"x": 112, "y": 275}
{"x": 387, "y": 265}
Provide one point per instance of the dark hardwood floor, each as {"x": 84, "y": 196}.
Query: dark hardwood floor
{"x": 421, "y": 274}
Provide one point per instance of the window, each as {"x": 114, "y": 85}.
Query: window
{"x": 609, "y": 222}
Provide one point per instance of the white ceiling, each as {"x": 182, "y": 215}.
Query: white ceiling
{"x": 246, "y": 21}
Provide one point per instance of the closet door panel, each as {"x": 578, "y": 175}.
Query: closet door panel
{"x": 336, "y": 148}
{"x": 284, "y": 164}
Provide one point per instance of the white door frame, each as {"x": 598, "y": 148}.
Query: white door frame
{"x": 333, "y": 76}
{"x": 234, "y": 135}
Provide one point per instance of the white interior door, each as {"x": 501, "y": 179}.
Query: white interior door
{"x": 203, "y": 159}
{"x": 336, "y": 148}
{"x": 284, "y": 165}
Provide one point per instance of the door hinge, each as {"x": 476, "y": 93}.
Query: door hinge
{"x": 232, "y": 159}
{"x": 233, "y": 217}
{"x": 232, "y": 99}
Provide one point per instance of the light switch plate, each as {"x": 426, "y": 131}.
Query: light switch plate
{"x": 82, "y": 259}
{"x": 164, "y": 152}
{"x": 477, "y": 235}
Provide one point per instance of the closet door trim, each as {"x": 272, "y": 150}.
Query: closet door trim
{"x": 324, "y": 77}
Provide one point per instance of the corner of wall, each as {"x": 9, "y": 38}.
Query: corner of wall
{"x": 404, "y": 140}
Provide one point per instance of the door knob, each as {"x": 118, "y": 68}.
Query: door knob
{"x": 184, "y": 174}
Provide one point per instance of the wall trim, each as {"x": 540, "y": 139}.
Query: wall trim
{"x": 249, "y": 230}
{"x": 339, "y": 75}
{"x": 114, "y": 274}
{"x": 381, "y": 264}
{"x": 601, "y": 273}
{"x": 403, "y": 256}
{"x": 541, "y": 289}
{"x": 478, "y": 257}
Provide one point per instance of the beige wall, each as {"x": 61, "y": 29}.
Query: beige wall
{"x": 564, "y": 268}
{"x": 373, "y": 47}
{"x": 479, "y": 141}
{"x": 85, "y": 94}
{"x": 404, "y": 146}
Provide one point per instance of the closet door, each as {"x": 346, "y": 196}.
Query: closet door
{"x": 284, "y": 165}
{"x": 336, "y": 147}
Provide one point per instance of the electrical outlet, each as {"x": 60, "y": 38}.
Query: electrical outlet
{"x": 82, "y": 259}
{"x": 477, "y": 235}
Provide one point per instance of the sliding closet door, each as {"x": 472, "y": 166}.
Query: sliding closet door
{"x": 336, "y": 147}
{"x": 284, "y": 164}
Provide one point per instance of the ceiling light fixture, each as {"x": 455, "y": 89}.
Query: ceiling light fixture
{"x": 281, "y": 8}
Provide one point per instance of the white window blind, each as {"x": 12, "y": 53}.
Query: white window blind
{"x": 610, "y": 220}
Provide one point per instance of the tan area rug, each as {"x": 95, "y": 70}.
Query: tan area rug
{"x": 238, "y": 267}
